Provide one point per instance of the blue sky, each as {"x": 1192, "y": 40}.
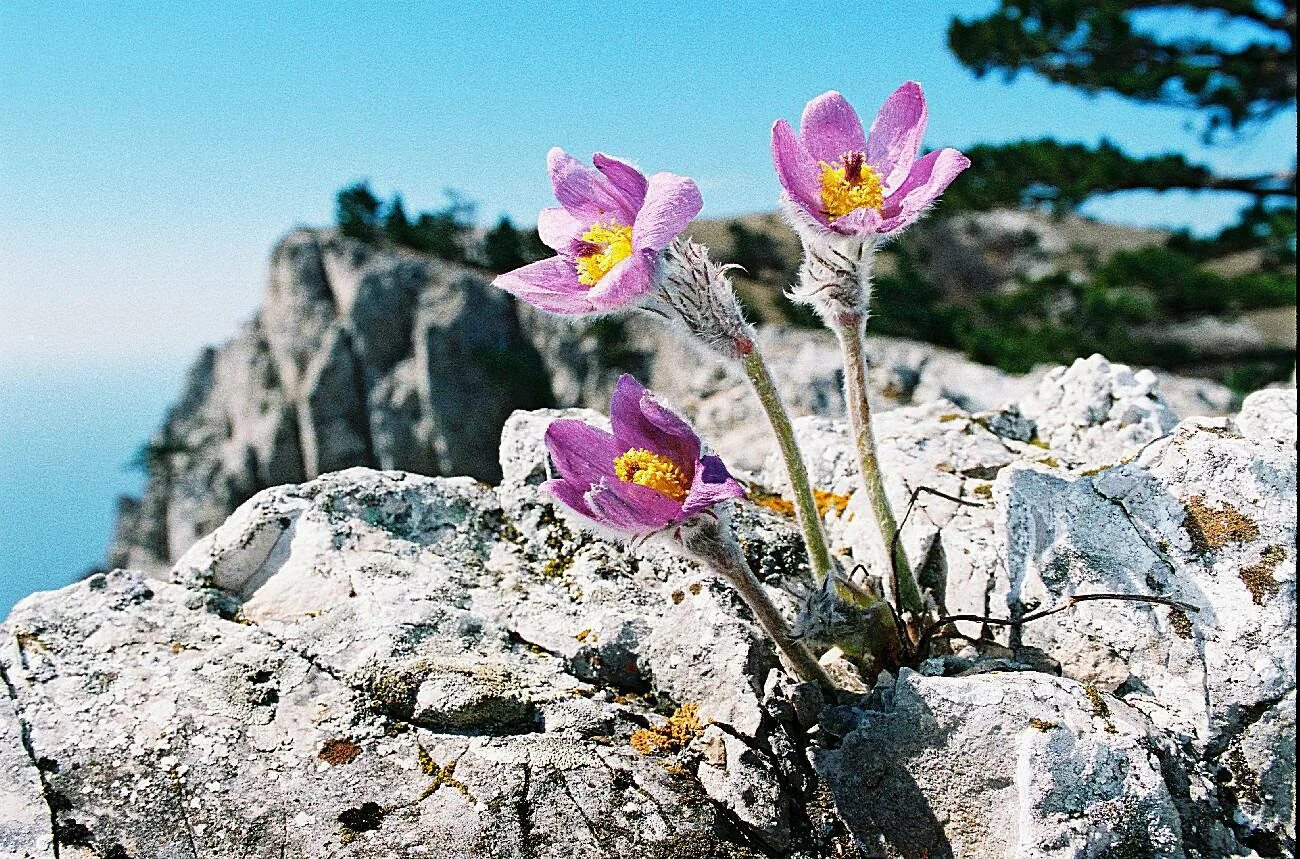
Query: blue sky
{"x": 150, "y": 153}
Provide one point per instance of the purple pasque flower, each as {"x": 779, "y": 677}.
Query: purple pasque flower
{"x": 609, "y": 232}
{"x": 648, "y": 474}
{"x": 862, "y": 184}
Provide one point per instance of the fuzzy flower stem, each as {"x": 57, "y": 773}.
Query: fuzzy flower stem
{"x": 819, "y": 556}
{"x": 714, "y": 545}
{"x": 849, "y": 330}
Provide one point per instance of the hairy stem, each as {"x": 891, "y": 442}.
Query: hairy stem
{"x": 796, "y": 653}
{"x": 819, "y": 555}
{"x": 713, "y": 544}
{"x": 848, "y": 329}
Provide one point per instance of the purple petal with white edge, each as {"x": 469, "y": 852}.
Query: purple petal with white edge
{"x": 583, "y": 454}
{"x": 558, "y": 229}
{"x": 571, "y": 495}
{"x": 585, "y": 192}
{"x": 896, "y": 134}
{"x": 929, "y": 178}
{"x": 830, "y": 127}
{"x": 626, "y": 282}
{"x": 639, "y": 420}
{"x": 859, "y": 222}
{"x": 626, "y": 179}
{"x": 797, "y": 170}
{"x": 549, "y": 284}
{"x": 634, "y": 508}
{"x": 713, "y": 484}
{"x": 671, "y": 201}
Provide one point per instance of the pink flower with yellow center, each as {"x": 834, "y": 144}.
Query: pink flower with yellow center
{"x": 609, "y": 233}
{"x": 854, "y": 183}
{"x": 649, "y": 473}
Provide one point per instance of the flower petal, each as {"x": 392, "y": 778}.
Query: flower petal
{"x": 571, "y": 495}
{"x": 558, "y": 229}
{"x": 549, "y": 284}
{"x": 586, "y": 193}
{"x": 670, "y": 203}
{"x": 797, "y": 170}
{"x": 928, "y": 179}
{"x": 634, "y": 508}
{"x": 583, "y": 454}
{"x": 859, "y": 222}
{"x": 626, "y": 282}
{"x": 896, "y": 134}
{"x": 713, "y": 483}
{"x": 626, "y": 179}
{"x": 830, "y": 127}
{"x": 639, "y": 420}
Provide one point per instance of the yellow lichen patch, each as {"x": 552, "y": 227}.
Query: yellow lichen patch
{"x": 442, "y": 775}
{"x": 339, "y": 751}
{"x": 984, "y": 490}
{"x": 28, "y": 640}
{"x": 1213, "y": 529}
{"x": 827, "y": 501}
{"x": 850, "y": 185}
{"x": 608, "y": 245}
{"x": 1042, "y": 724}
{"x": 651, "y": 470}
{"x": 582, "y": 636}
{"x": 1100, "y": 708}
{"x": 1180, "y": 623}
{"x": 775, "y": 503}
{"x": 695, "y": 588}
{"x": 682, "y": 727}
{"x": 1258, "y": 577}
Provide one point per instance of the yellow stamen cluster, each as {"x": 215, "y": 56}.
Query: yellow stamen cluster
{"x": 660, "y": 473}
{"x": 611, "y": 244}
{"x": 850, "y": 185}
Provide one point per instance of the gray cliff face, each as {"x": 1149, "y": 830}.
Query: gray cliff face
{"x": 374, "y": 663}
{"x": 357, "y": 357}
{"x": 391, "y": 360}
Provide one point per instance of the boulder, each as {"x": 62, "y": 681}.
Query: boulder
{"x": 375, "y": 663}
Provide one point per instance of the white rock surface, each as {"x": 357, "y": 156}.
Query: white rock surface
{"x": 384, "y": 358}
{"x": 379, "y": 664}
{"x": 1020, "y": 764}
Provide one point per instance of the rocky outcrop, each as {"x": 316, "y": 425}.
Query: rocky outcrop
{"x": 374, "y": 663}
{"x": 388, "y": 359}
{"x": 357, "y": 357}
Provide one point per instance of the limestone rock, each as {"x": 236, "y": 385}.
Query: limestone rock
{"x": 376, "y": 663}
{"x": 1022, "y": 765}
{"x": 384, "y": 358}
{"x": 1269, "y": 414}
{"x": 1096, "y": 412}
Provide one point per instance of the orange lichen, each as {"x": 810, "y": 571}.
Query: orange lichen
{"x": 338, "y": 751}
{"x": 825, "y": 501}
{"x": 682, "y": 727}
{"x": 1213, "y": 529}
{"x": 1258, "y": 577}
